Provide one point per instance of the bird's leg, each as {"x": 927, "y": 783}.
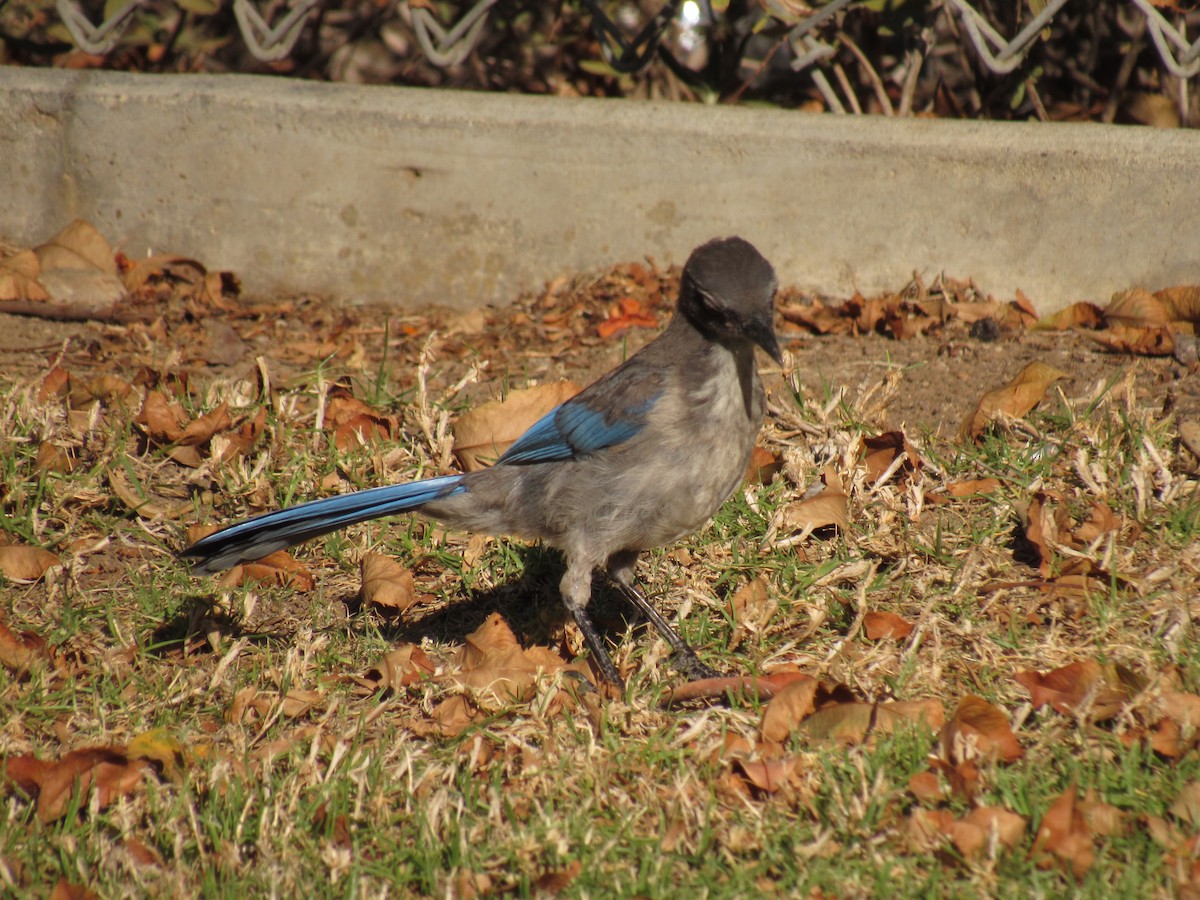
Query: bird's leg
{"x": 576, "y": 592}
{"x": 620, "y": 570}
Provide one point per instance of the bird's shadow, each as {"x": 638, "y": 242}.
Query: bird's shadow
{"x": 530, "y": 603}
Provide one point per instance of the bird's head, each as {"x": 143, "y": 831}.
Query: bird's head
{"x": 728, "y": 293}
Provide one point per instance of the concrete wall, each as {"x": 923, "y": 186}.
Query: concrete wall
{"x": 415, "y": 197}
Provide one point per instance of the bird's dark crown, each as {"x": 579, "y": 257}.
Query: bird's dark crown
{"x": 727, "y": 292}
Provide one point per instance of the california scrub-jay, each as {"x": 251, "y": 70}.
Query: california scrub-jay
{"x": 639, "y": 459}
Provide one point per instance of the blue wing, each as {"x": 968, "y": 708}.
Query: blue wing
{"x": 581, "y": 426}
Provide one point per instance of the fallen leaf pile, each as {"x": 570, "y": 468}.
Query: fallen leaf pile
{"x": 1135, "y": 321}
{"x": 76, "y": 275}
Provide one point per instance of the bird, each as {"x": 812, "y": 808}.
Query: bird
{"x": 639, "y": 459}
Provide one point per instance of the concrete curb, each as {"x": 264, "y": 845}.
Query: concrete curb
{"x": 415, "y": 197}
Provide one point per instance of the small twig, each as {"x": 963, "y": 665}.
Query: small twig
{"x": 737, "y": 95}
{"x": 118, "y": 313}
{"x": 1036, "y": 100}
{"x": 1137, "y": 38}
{"x": 916, "y": 59}
{"x": 885, "y": 102}
{"x": 847, "y": 88}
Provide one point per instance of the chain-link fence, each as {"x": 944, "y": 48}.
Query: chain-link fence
{"x": 1054, "y": 59}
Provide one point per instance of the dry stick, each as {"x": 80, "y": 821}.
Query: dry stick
{"x": 916, "y": 59}
{"x": 847, "y": 88}
{"x": 1137, "y": 40}
{"x": 1036, "y": 99}
{"x": 872, "y": 74}
{"x": 737, "y": 95}
{"x": 61, "y": 312}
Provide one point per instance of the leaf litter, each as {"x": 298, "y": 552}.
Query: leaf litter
{"x": 898, "y": 520}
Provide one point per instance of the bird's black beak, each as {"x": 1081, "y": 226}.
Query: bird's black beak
{"x": 762, "y": 332}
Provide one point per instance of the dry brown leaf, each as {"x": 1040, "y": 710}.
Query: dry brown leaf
{"x": 149, "y": 507}
{"x": 454, "y": 715}
{"x": 767, "y": 775}
{"x": 19, "y": 652}
{"x": 1077, "y": 315}
{"x": 107, "y": 770}
{"x": 763, "y": 466}
{"x": 57, "y": 383}
{"x": 400, "y": 667}
{"x": 66, "y": 890}
{"x": 1081, "y": 687}
{"x": 1136, "y": 308}
{"x": 492, "y": 663}
{"x": 79, "y": 272}
{"x": 19, "y": 562}
{"x": 926, "y": 787}
{"x": 386, "y": 583}
{"x": 905, "y": 321}
{"x": 1182, "y": 708}
{"x": 817, "y": 317}
{"x": 788, "y": 709}
{"x": 1158, "y": 110}
{"x": 1101, "y": 520}
{"x": 482, "y": 435}
{"x": 52, "y": 458}
{"x": 493, "y": 636}
{"x": 198, "y": 532}
{"x": 232, "y": 445}
{"x": 19, "y": 278}
{"x": 200, "y": 430}
{"x": 1044, "y": 519}
{"x": 556, "y": 881}
{"x": 1064, "y": 834}
{"x": 930, "y": 714}
{"x": 829, "y": 507}
{"x": 1102, "y": 818}
{"x": 972, "y": 834}
{"x": 880, "y": 625}
{"x": 760, "y": 688}
{"x": 879, "y": 453}
{"x": 977, "y": 728}
{"x": 78, "y": 246}
{"x": 852, "y": 723}
{"x": 160, "y": 419}
{"x": 143, "y": 277}
{"x": 106, "y": 388}
{"x": 964, "y": 777}
{"x": 929, "y": 829}
{"x": 276, "y": 568}
{"x": 508, "y": 675}
{"x": 1182, "y": 303}
{"x": 1014, "y": 399}
{"x": 975, "y": 488}
{"x": 751, "y": 607}
{"x": 142, "y": 854}
{"x": 354, "y": 423}
{"x": 1186, "y": 805}
{"x": 298, "y": 702}
{"x": 1142, "y": 340}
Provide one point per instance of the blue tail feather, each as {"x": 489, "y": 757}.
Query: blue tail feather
{"x": 257, "y": 537}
